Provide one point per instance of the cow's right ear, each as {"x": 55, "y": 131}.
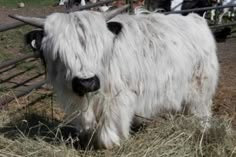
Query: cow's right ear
{"x": 34, "y": 39}
{"x": 114, "y": 27}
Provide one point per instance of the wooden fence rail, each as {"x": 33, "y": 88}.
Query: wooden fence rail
{"x": 14, "y": 25}
{"x": 200, "y": 9}
{"x": 223, "y": 25}
{"x": 20, "y": 92}
{"x": 15, "y": 61}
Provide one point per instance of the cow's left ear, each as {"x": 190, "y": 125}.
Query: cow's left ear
{"x": 34, "y": 39}
{"x": 114, "y": 27}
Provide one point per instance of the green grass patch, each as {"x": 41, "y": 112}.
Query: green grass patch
{"x": 31, "y": 3}
{"x": 2, "y": 89}
{"x": 36, "y": 66}
{"x": 5, "y": 56}
{"x": 12, "y": 42}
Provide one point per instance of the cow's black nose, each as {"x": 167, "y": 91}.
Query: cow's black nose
{"x": 83, "y": 86}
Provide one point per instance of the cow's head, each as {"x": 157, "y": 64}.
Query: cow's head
{"x": 73, "y": 47}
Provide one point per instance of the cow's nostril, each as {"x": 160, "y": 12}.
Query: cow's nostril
{"x": 83, "y": 86}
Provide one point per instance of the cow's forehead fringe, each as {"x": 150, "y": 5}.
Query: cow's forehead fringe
{"x": 61, "y": 19}
{"x": 75, "y": 39}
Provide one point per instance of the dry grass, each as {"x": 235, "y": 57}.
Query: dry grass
{"x": 32, "y": 132}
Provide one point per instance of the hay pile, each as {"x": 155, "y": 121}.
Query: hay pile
{"x": 178, "y": 136}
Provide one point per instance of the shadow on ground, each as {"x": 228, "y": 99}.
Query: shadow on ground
{"x": 35, "y": 126}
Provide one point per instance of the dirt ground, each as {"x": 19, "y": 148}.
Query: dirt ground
{"x": 225, "y": 99}
{"x": 29, "y": 11}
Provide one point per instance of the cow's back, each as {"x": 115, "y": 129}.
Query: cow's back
{"x": 164, "y": 54}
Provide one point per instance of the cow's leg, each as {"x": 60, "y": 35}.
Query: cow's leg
{"x": 82, "y": 2}
{"x": 231, "y": 14}
{"x": 213, "y": 14}
{"x": 202, "y": 110}
{"x": 201, "y": 97}
{"x": 225, "y": 10}
{"x": 203, "y": 86}
{"x": 116, "y": 120}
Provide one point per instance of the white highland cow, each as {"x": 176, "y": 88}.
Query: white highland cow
{"x": 130, "y": 65}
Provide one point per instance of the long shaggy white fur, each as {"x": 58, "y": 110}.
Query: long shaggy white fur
{"x": 157, "y": 63}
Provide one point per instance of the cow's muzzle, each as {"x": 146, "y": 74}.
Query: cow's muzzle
{"x": 83, "y": 86}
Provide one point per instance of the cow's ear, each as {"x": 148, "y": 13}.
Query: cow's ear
{"x": 114, "y": 27}
{"x": 34, "y": 39}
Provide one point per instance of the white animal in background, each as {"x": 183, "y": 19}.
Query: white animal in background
{"x": 70, "y": 2}
{"x": 62, "y": 2}
{"x": 131, "y": 65}
{"x": 213, "y": 11}
{"x": 229, "y": 11}
{"x": 142, "y": 10}
{"x": 176, "y": 5}
{"x": 102, "y": 8}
